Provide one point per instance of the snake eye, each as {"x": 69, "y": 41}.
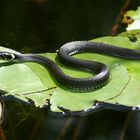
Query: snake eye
{"x": 7, "y": 56}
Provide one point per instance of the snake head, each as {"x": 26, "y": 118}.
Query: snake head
{"x": 7, "y": 56}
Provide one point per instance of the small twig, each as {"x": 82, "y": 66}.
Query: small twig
{"x": 2, "y": 135}
{"x": 65, "y": 128}
{"x": 78, "y": 128}
{"x": 36, "y": 127}
{"x": 126, "y": 123}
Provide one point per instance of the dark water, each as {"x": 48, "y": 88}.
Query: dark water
{"x": 33, "y": 26}
{"x": 44, "y": 25}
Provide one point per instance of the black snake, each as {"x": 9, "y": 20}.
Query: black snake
{"x": 65, "y": 56}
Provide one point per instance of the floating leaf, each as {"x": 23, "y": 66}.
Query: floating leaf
{"x": 31, "y": 82}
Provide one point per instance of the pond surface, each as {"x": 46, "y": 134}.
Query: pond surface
{"x": 44, "y": 25}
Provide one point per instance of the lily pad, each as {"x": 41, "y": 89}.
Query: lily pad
{"x": 31, "y": 82}
{"x": 124, "y": 75}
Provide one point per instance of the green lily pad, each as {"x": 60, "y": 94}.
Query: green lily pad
{"x": 124, "y": 75}
{"x": 32, "y": 82}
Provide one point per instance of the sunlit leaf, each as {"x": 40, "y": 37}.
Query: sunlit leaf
{"x": 32, "y": 82}
{"x": 132, "y": 19}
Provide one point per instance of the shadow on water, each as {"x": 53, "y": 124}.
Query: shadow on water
{"x": 44, "y": 25}
{"x": 34, "y": 124}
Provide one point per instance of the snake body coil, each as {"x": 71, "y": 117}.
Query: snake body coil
{"x": 65, "y": 55}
